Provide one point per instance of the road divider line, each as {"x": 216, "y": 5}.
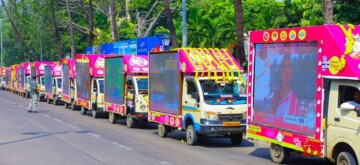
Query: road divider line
{"x": 95, "y": 135}
{"x": 122, "y": 146}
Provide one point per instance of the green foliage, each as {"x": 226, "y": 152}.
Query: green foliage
{"x": 211, "y": 23}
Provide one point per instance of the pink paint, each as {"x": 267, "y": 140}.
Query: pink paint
{"x": 96, "y": 63}
{"x": 205, "y": 60}
{"x": 3, "y": 71}
{"x": 71, "y": 66}
{"x": 136, "y": 64}
{"x": 331, "y": 46}
{"x": 27, "y": 67}
{"x": 56, "y": 70}
{"x": 116, "y": 108}
{"x": 39, "y": 66}
{"x": 167, "y": 119}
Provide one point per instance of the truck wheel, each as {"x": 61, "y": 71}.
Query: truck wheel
{"x": 278, "y": 153}
{"x": 95, "y": 114}
{"x": 130, "y": 122}
{"x": 191, "y": 136}
{"x": 236, "y": 138}
{"x": 66, "y": 105}
{"x": 163, "y": 130}
{"x": 112, "y": 117}
{"x": 48, "y": 101}
{"x": 345, "y": 158}
{"x": 83, "y": 111}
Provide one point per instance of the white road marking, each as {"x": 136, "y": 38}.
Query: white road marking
{"x": 95, "y": 135}
{"x": 72, "y": 126}
{"x": 58, "y": 120}
{"x": 122, "y": 146}
{"x": 46, "y": 115}
{"x": 164, "y": 162}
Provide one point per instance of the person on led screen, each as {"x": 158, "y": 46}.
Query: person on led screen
{"x": 284, "y": 101}
{"x": 262, "y": 73}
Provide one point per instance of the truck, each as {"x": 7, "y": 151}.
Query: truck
{"x": 3, "y": 78}
{"x": 120, "y": 71}
{"x": 298, "y": 80}
{"x": 197, "y": 90}
{"x": 53, "y": 83}
{"x": 13, "y": 80}
{"x": 90, "y": 83}
{"x": 37, "y": 69}
{"x": 24, "y": 79}
{"x": 69, "y": 83}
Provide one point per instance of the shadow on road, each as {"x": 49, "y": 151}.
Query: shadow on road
{"x": 45, "y": 134}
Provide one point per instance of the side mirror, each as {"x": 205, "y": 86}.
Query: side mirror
{"x": 195, "y": 96}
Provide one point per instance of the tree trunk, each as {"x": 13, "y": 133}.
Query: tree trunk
{"x": 57, "y": 35}
{"x": 91, "y": 24}
{"x": 328, "y": 11}
{"x": 239, "y": 50}
{"x": 170, "y": 24}
{"x": 114, "y": 31}
{"x": 128, "y": 16}
{"x": 17, "y": 32}
{"x": 71, "y": 30}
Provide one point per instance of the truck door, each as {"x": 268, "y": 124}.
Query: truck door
{"x": 94, "y": 93}
{"x": 54, "y": 84}
{"x": 343, "y": 124}
{"x": 190, "y": 95}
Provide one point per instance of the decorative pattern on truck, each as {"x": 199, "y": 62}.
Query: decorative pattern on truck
{"x": 280, "y": 96}
{"x": 136, "y": 64}
{"x": 165, "y": 66}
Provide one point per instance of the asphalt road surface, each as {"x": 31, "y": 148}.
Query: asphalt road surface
{"x": 57, "y": 135}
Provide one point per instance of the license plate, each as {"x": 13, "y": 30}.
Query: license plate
{"x": 231, "y": 124}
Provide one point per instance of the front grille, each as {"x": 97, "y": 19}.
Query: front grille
{"x": 230, "y": 117}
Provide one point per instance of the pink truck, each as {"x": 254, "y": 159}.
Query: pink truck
{"x": 90, "y": 72}
{"x": 53, "y": 83}
{"x": 126, "y": 88}
{"x": 69, "y": 83}
{"x": 38, "y": 70}
{"x": 300, "y": 83}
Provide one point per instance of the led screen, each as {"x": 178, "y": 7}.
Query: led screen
{"x": 285, "y": 85}
{"x": 164, "y": 83}
{"x": 65, "y": 83}
{"x": 48, "y": 79}
{"x": 83, "y": 80}
{"x": 114, "y": 80}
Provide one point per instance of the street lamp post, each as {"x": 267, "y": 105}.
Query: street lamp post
{"x": 165, "y": 40}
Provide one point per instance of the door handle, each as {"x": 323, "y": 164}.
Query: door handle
{"x": 337, "y": 119}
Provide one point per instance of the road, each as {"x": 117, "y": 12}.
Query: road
{"x": 57, "y": 135}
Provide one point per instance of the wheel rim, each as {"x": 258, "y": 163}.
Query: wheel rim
{"x": 190, "y": 135}
{"x": 111, "y": 117}
{"x": 128, "y": 121}
{"x": 343, "y": 161}
{"x": 161, "y": 130}
{"x": 277, "y": 151}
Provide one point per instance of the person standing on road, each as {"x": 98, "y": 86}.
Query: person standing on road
{"x": 34, "y": 95}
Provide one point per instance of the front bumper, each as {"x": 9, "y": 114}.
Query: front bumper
{"x": 210, "y": 127}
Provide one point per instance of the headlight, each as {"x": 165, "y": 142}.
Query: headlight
{"x": 211, "y": 116}
{"x": 142, "y": 107}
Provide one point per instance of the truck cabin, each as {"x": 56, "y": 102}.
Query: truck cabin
{"x": 57, "y": 82}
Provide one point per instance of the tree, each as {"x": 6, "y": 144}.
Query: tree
{"x": 239, "y": 50}
{"x": 57, "y": 35}
{"x": 170, "y": 24}
{"x": 328, "y": 11}
{"x": 73, "y": 51}
{"x": 114, "y": 31}
{"x": 91, "y": 24}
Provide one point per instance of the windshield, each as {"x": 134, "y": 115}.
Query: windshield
{"x": 101, "y": 85}
{"x": 59, "y": 82}
{"x": 223, "y": 92}
{"x": 142, "y": 83}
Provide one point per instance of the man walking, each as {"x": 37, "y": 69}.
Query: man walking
{"x": 33, "y": 95}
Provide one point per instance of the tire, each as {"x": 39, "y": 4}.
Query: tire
{"x": 130, "y": 121}
{"x": 83, "y": 111}
{"x": 278, "y": 153}
{"x": 345, "y": 158}
{"x": 112, "y": 118}
{"x": 48, "y": 101}
{"x": 95, "y": 114}
{"x": 236, "y": 138}
{"x": 191, "y": 135}
{"x": 163, "y": 130}
{"x": 66, "y": 105}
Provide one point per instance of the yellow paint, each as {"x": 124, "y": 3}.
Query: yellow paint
{"x": 192, "y": 63}
{"x": 254, "y": 128}
{"x": 349, "y": 45}
{"x": 334, "y": 66}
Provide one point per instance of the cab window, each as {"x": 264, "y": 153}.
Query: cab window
{"x": 191, "y": 90}
{"x": 345, "y": 93}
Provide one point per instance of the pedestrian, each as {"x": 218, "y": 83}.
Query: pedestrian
{"x": 33, "y": 95}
